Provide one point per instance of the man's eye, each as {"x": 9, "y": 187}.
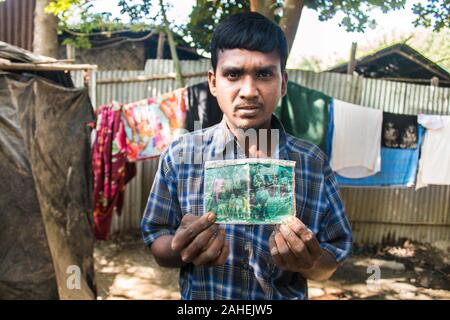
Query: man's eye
{"x": 232, "y": 75}
{"x": 264, "y": 74}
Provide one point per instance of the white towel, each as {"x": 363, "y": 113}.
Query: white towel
{"x": 430, "y": 121}
{"x": 356, "y": 149}
{"x": 434, "y": 165}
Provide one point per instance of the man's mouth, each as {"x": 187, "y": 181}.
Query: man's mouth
{"x": 247, "y": 111}
{"x": 247, "y": 107}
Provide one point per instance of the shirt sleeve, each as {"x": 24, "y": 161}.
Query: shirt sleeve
{"x": 162, "y": 214}
{"x": 335, "y": 234}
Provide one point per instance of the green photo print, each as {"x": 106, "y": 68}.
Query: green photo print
{"x": 250, "y": 191}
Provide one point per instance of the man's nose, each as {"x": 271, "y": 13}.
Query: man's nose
{"x": 249, "y": 89}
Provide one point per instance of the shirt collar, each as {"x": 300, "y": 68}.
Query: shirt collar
{"x": 223, "y": 136}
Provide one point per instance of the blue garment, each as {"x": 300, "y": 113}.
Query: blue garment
{"x": 398, "y": 166}
{"x": 249, "y": 272}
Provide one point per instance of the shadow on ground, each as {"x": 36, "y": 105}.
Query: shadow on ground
{"x": 125, "y": 269}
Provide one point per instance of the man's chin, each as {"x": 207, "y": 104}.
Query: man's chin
{"x": 250, "y": 123}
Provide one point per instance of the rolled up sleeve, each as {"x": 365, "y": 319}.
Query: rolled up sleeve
{"x": 162, "y": 214}
{"x": 335, "y": 234}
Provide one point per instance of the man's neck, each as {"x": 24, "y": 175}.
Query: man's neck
{"x": 256, "y": 142}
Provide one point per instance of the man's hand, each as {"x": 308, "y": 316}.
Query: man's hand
{"x": 200, "y": 241}
{"x": 294, "y": 247}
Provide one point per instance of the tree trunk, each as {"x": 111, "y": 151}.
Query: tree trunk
{"x": 264, "y": 7}
{"x": 291, "y": 17}
{"x": 292, "y": 11}
{"x": 45, "y": 31}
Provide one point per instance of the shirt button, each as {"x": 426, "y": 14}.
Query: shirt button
{"x": 245, "y": 266}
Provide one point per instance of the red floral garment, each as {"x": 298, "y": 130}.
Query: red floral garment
{"x": 110, "y": 169}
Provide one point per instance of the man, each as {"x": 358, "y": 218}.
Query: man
{"x": 248, "y": 77}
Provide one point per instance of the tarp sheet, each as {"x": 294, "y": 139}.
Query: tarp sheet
{"x": 47, "y": 232}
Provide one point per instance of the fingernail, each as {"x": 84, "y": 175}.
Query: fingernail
{"x": 211, "y": 217}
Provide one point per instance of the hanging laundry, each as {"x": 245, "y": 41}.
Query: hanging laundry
{"x": 304, "y": 113}
{"x": 398, "y": 168}
{"x": 356, "y": 145}
{"x": 434, "y": 166}
{"x": 110, "y": 169}
{"x": 152, "y": 124}
{"x": 399, "y": 131}
{"x": 202, "y": 106}
{"x": 430, "y": 121}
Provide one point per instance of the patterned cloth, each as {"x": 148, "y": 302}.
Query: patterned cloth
{"x": 152, "y": 124}
{"x": 110, "y": 169}
{"x": 399, "y": 131}
{"x": 249, "y": 272}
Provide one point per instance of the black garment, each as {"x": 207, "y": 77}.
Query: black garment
{"x": 202, "y": 107}
{"x": 46, "y": 186}
{"x": 399, "y": 131}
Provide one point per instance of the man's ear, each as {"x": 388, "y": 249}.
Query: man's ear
{"x": 284, "y": 82}
{"x": 212, "y": 82}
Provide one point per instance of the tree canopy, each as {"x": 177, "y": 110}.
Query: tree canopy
{"x": 206, "y": 14}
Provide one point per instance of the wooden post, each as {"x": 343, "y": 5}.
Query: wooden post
{"x": 434, "y": 82}
{"x": 351, "y": 66}
{"x": 160, "y": 49}
{"x": 70, "y": 52}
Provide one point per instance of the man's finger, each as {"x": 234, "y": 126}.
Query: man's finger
{"x": 284, "y": 251}
{"x": 274, "y": 252}
{"x": 187, "y": 232}
{"x": 298, "y": 247}
{"x": 307, "y": 236}
{"x": 212, "y": 252}
{"x": 199, "y": 243}
{"x": 222, "y": 258}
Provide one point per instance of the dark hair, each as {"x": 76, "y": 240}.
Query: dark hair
{"x": 250, "y": 31}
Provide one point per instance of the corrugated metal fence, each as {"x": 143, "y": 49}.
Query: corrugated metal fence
{"x": 17, "y": 22}
{"x": 376, "y": 215}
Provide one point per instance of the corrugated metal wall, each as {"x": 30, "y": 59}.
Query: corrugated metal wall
{"x": 16, "y": 22}
{"x": 376, "y": 215}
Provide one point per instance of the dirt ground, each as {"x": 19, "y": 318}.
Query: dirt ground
{"x": 125, "y": 269}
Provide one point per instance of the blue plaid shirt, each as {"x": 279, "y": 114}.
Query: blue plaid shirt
{"x": 249, "y": 272}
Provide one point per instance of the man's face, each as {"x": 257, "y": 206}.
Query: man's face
{"x": 248, "y": 86}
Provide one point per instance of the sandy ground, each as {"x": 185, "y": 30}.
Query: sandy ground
{"x": 125, "y": 269}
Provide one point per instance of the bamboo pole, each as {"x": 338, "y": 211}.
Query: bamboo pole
{"x": 46, "y": 66}
{"x": 170, "y": 76}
